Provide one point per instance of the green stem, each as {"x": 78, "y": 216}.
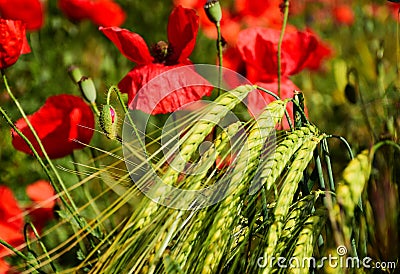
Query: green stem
{"x": 95, "y": 109}
{"x": 344, "y": 141}
{"x": 285, "y": 18}
{"x": 220, "y": 58}
{"x": 41, "y": 244}
{"x": 71, "y": 205}
{"x": 13, "y": 249}
{"x": 325, "y": 151}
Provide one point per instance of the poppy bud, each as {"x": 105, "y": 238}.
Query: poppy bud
{"x": 351, "y": 93}
{"x": 75, "y": 73}
{"x": 213, "y": 10}
{"x": 109, "y": 121}
{"x": 88, "y": 89}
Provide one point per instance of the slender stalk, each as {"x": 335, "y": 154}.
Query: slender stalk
{"x": 285, "y": 18}
{"x": 95, "y": 109}
{"x": 320, "y": 170}
{"x": 325, "y": 151}
{"x": 344, "y": 141}
{"x": 41, "y": 245}
{"x": 220, "y": 59}
{"x": 16, "y": 251}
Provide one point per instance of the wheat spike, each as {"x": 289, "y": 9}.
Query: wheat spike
{"x": 295, "y": 218}
{"x": 230, "y": 206}
{"x": 272, "y": 168}
{"x": 355, "y": 176}
{"x": 284, "y": 201}
{"x": 349, "y": 190}
{"x": 306, "y": 241}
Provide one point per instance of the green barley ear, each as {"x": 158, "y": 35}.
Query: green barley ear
{"x": 355, "y": 176}
{"x": 289, "y": 187}
{"x": 109, "y": 121}
{"x": 308, "y": 236}
{"x": 349, "y": 190}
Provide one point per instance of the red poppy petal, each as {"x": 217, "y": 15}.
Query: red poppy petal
{"x": 60, "y": 120}
{"x": 10, "y": 212}
{"x": 297, "y": 48}
{"x": 256, "y": 8}
{"x": 12, "y": 236}
{"x": 165, "y": 94}
{"x": 107, "y": 14}
{"x": 322, "y": 52}
{"x": 4, "y": 266}
{"x": 344, "y": 14}
{"x": 257, "y": 48}
{"x": 31, "y": 12}
{"x": 130, "y": 44}
{"x": 76, "y": 10}
{"x": 25, "y": 45}
{"x": 13, "y": 42}
{"x": 287, "y": 91}
{"x": 182, "y": 30}
{"x": 41, "y": 191}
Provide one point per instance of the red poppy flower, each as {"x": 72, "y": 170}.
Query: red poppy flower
{"x": 259, "y": 46}
{"x": 4, "y": 266}
{"x": 13, "y": 42}
{"x": 75, "y": 10}
{"x": 61, "y": 121}
{"x": 256, "y": 58}
{"x": 101, "y": 12}
{"x": 11, "y": 215}
{"x": 182, "y": 31}
{"x": 321, "y": 53}
{"x": 11, "y": 220}
{"x": 31, "y": 12}
{"x": 41, "y": 211}
{"x": 107, "y": 13}
{"x": 343, "y": 14}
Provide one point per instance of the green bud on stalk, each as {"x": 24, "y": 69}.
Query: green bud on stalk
{"x": 75, "y": 74}
{"x": 109, "y": 121}
{"x": 86, "y": 85}
{"x": 213, "y": 11}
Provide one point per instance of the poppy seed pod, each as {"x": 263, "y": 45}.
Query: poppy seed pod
{"x": 213, "y": 11}
{"x": 109, "y": 121}
{"x": 86, "y": 85}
